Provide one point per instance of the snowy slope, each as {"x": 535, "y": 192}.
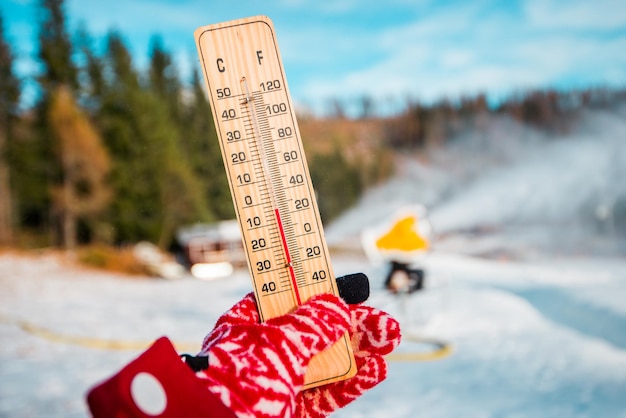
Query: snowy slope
{"x": 536, "y": 194}
{"x": 515, "y": 355}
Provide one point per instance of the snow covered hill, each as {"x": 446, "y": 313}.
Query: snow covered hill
{"x": 512, "y": 190}
{"x": 529, "y": 339}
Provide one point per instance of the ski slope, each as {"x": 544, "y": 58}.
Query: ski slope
{"x": 528, "y": 339}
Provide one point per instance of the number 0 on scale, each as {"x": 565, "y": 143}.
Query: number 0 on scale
{"x": 269, "y": 177}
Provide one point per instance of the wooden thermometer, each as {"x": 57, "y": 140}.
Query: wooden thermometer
{"x": 269, "y": 178}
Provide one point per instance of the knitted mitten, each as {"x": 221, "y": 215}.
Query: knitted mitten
{"x": 373, "y": 334}
{"x": 257, "y": 369}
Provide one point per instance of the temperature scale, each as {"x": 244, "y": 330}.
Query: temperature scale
{"x": 269, "y": 178}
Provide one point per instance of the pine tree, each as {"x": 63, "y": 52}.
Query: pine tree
{"x": 181, "y": 191}
{"x": 9, "y": 98}
{"x": 55, "y": 48}
{"x": 156, "y": 190}
{"x": 132, "y": 213}
{"x": 91, "y": 74}
{"x": 83, "y": 191}
{"x": 58, "y": 72}
{"x": 163, "y": 78}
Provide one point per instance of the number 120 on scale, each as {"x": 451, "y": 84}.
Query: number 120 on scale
{"x": 269, "y": 177}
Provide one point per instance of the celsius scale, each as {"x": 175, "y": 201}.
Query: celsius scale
{"x": 269, "y": 178}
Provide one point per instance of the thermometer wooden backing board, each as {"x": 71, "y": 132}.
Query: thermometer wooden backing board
{"x": 269, "y": 178}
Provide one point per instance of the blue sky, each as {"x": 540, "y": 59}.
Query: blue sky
{"x": 389, "y": 50}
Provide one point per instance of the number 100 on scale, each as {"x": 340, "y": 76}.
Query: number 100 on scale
{"x": 266, "y": 167}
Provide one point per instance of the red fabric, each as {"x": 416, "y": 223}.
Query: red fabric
{"x": 373, "y": 334}
{"x": 257, "y": 369}
{"x": 185, "y": 395}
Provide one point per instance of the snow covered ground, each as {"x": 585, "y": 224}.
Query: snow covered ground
{"x": 529, "y": 339}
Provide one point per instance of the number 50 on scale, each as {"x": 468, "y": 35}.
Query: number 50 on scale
{"x": 269, "y": 178}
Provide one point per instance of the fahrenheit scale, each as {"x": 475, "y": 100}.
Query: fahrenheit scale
{"x": 269, "y": 178}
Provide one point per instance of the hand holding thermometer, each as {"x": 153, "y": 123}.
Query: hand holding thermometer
{"x": 269, "y": 178}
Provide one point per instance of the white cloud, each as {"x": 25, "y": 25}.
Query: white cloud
{"x": 577, "y": 14}
{"x": 416, "y": 47}
{"x": 467, "y": 50}
{"x": 457, "y": 59}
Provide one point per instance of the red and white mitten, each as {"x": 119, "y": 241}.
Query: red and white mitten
{"x": 257, "y": 369}
{"x": 373, "y": 334}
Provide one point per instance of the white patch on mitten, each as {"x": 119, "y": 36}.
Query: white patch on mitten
{"x": 148, "y": 394}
